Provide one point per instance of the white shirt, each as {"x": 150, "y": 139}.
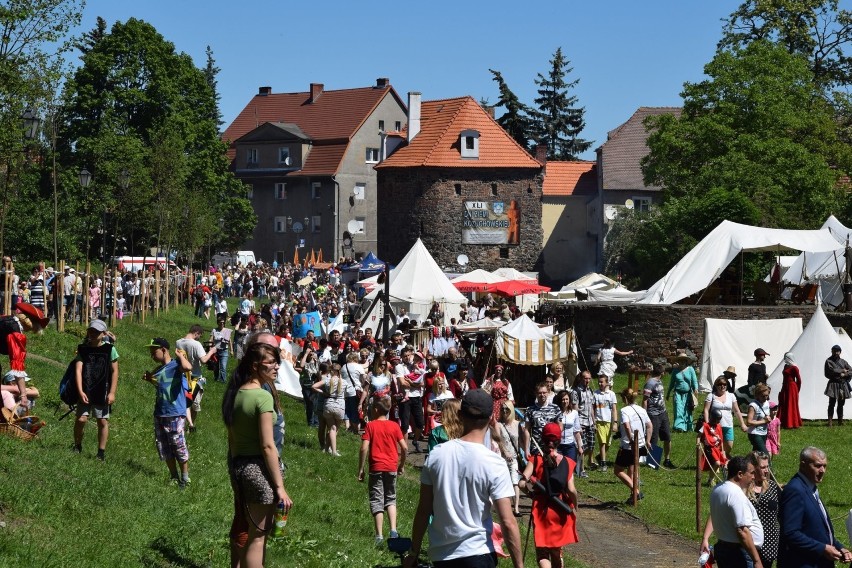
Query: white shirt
{"x": 604, "y": 404}
{"x": 353, "y": 375}
{"x": 637, "y": 420}
{"x": 731, "y": 509}
{"x": 465, "y": 478}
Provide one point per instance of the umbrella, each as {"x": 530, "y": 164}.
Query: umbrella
{"x": 477, "y": 281}
{"x": 518, "y": 288}
{"x": 465, "y": 286}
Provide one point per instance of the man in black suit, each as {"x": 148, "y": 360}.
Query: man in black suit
{"x": 807, "y": 536}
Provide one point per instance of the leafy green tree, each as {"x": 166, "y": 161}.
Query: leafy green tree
{"x": 557, "y": 121}
{"x": 516, "y": 120}
{"x": 816, "y": 29}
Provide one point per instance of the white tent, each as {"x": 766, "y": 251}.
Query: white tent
{"x": 620, "y": 295}
{"x": 523, "y": 342}
{"x": 732, "y": 342}
{"x": 512, "y": 274}
{"x": 417, "y": 282}
{"x": 706, "y": 261}
{"x": 591, "y": 281}
{"x": 811, "y": 350}
{"x": 485, "y": 325}
{"x": 479, "y": 276}
{"x": 827, "y": 267}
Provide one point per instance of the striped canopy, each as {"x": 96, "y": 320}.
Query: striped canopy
{"x": 523, "y": 342}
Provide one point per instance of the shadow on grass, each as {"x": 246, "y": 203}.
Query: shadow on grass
{"x": 167, "y": 555}
{"x": 137, "y": 467}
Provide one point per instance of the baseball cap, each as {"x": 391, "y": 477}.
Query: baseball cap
{"x": 551, "y": 432}
{"x": 477, "y": 404}
{"x": 159, "y": 342}
{"x": 99, "y": 325}
{"x": 760, "y": 351}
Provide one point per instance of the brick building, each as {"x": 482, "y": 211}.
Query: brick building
{"x": 461, "y": 184}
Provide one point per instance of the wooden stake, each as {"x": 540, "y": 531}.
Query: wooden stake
{"x": 157, "y": 292}
{"x": 60, "y": 295}
{"x": 635, "y": 495}
{"x": 87, "y": 283}
{"x": 698, "y": 451}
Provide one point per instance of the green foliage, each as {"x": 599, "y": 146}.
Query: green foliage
{"x": 557, "y": 121}
{"x": 515, "y": 121}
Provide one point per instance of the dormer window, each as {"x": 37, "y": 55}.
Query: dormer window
{"x": 469, "y": 143}
{"x": 284, "y": 156}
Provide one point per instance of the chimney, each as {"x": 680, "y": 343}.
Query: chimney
{"x": 382, "y": 82}
{"x": 541, "y": 153}
{"x": 263, "y": 91}
{"x": 413, "y": 115}
{"x": 490, "y": 110}
{"x": 316, "y": 91}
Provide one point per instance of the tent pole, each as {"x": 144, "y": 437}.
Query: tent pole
{"x": 742, "y": 275}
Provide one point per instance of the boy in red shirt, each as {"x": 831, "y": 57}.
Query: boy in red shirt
{"x": 385, "y": 447}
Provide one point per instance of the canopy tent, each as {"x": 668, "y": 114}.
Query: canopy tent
{"x": 369, "y": 264}
{"x": 583, "y": 285}
{"x": 706, "y": 261}
{"x": 476, "y": 281}
{"x": 512, "y": 288}
{"x": 485, "y": 325}
{"x": 417, "y": 282}
{"x": 523, "y": 342}
{"x": 617, "y": 295}
{"x": 732, "y": 342}
{"x": 810, "y": 351}
{"x": 512, "y": 274}
{"x": 827, "y": 267}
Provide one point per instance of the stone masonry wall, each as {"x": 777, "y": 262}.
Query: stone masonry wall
{"x": 424, "y": 203}
{"x": 651, "y": 331}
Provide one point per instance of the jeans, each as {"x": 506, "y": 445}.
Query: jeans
{"x": 308, "y": 397}
{"x": 222, "y": 354}
{"x": 732, "y": 555}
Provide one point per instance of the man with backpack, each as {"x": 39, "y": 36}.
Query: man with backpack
{"x": 195, "y": 353}
{"x": 96, "y": 377}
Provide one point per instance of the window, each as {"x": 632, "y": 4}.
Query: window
{"x": 360, "y": 190}
{"x": 279, "y": 256}
{"x": 372, "y": 155}
{"x": 469, "y": 144}
{"x": 494, "y": 189}
{"x": 642, "y": 204}
{"x": 251, "y": 156}
{"x": 504, "y": 252}
{"x": 249, "y": 191}
{"x": 316, "y": 223}
{"x": 280, "y": 191}
{"x": 397, "y": 126}
{"x": 284, "y": 156}
{"x": 381, "y": 125}
{"x": 281, "y": 224}
{"x": 316, "y": 190}
{"x": 362, "y": 226}
{"x": 457, "y": 187}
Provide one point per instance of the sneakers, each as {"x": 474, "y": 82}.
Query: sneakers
{"x": 416, "y": 447}
{"x": 604, "y": 468}
{"x": 583, "y": 474}
{"x": 379, "y": 541}
{"x": 335, "y": 453}
{"x": 77, "y": 448}
{"x": 668, "y": 464}
{"x": 101, "y": 456}
{"x": 393, "y": 534}
{"x": 639, "y": 497}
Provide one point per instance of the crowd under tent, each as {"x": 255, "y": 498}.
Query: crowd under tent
{"x": 732, "y": 343}
{"x": 810, "y": 351}
{"x": 417, "y": 282}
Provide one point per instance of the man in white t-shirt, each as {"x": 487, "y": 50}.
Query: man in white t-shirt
{"x": 734, "y": 519}
{"x": 458, "y": 484}
{"x": 196, "y": 355}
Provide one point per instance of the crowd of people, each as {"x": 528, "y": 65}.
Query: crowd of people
{"x": 445, "y": 399}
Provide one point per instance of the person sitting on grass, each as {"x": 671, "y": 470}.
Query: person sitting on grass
{"x": 170, "y": 408}
{"x": 633, "y": 419}
{"x": 384, "y": 447}
{"x": 714, "y": 450}
{"x": 96, "y": 368}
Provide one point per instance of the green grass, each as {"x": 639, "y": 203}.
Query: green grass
{"x": 63, "y": 509}
{"x": 670, "y": 495}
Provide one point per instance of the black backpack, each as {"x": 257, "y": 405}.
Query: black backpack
{"x": 68, "y": 386}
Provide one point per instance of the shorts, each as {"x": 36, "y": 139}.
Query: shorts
{"x": 170, "y": 439}
{"x": 334, "y": 413}
{"x": 603, "y": 433}
{"x": 101, "y": 411}
{"x": 588, "y": 435}
{"x": 624, "y": 458}
{"x": 197, "y": 393}
{"x": 381, "y": 488}
{"x": 662, "y": 430}
{"x": 479, "y": 561}
{"x": 251, "y": 480}
{"x": 728, "y": 433}
{"x": 513, "y": 470}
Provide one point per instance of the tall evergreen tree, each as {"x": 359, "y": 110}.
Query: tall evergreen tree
{"x": 210, "y": 72}
{"x": 516, "y": 120}
{"x": 558, "y": 122}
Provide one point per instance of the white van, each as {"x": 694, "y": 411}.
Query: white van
{"x": 241, "y": 257}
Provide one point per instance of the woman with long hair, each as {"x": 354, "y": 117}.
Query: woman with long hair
{"x": 554, "y": 527}
{"x": 437, "y": 398}
{"x": 633, "y": 418}
{"x": 451, "y": 425}
{"x": 248, "y": 411}
{"x": 333, "y": 412}
{"x": 510, "y": 434}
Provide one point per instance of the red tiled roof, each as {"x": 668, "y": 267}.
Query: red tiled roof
{"x": 322, "y": 160}
{"x": 621, "y": 154}
{"x": 570, "y": 178}
{"x": 437, "y": 143}
{"x": 334, "y": 116}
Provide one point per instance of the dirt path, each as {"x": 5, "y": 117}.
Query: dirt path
{"x": 612, "y": 538}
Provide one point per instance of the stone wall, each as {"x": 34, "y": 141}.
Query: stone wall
{"x": 651, "y": 331}
{"x": 429, "y": 203}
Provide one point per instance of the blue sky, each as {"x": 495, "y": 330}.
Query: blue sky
{"x": 626, "y": 53}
